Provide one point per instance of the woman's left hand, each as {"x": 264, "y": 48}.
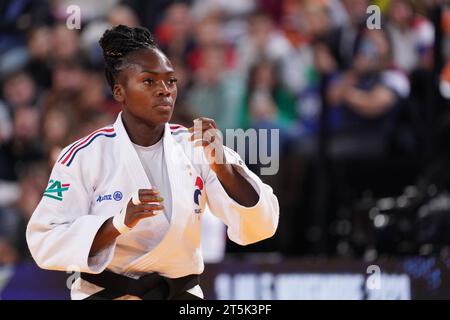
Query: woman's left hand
{"x": 205, "y": 134}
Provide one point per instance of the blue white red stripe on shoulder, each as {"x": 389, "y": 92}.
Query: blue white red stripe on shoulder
{"x": 68, "y": 156}
{"x": 177, "y": 128}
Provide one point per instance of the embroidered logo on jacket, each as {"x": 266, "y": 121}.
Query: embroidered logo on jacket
{"x": 55, "y": 189}
{"x": 198, "y": 193}
{"x": 116, "y": 196}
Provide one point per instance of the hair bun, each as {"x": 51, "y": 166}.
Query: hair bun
{"x": 120, "y": 40}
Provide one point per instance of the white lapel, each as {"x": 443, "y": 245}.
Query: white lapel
{"x": 130, "y": 158}
{"x": 177, "y": 167}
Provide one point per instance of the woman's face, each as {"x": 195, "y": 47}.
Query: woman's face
{"x": 264, "y": 76}
{"x": 19, "y": 90}
{"x": 146, "y": 87}
{"x": 401, "y": 13}
{"x": 373, "y": 53}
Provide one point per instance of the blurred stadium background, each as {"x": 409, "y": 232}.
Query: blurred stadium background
{"x": 364, "y": 124}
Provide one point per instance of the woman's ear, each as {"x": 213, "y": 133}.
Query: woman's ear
{"x": 118, "y": 93}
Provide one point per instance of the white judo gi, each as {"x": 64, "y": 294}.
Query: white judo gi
{"x": 94, "y": 177}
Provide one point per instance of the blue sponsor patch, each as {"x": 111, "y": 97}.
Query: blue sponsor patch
{"x": 116, "y": 196}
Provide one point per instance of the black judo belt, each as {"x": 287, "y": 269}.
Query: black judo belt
{"x": 148, "y": 287}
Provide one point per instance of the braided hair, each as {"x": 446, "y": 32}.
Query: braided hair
{"x": 118, "y": 42}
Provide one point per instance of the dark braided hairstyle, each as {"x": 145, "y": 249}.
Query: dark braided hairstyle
{"x": 119, "y": 42}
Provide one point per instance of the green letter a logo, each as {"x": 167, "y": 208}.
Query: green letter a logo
{"x": 56, "y": 189}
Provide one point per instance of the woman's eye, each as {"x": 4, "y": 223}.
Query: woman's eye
{"x": 148, "y": 81}
{"x": 173, "y": 81}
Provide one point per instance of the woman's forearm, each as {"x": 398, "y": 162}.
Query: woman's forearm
{"x": 104, "y": 237}
{"x": 244, "y": 194}
{"x": 369, "y": 103}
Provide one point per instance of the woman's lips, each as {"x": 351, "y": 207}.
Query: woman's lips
{"x": 164, "y": 107}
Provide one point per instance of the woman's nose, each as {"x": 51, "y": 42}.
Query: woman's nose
{"x": 162, "y": 89}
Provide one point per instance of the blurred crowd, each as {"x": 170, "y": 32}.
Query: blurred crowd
{"x": 342, "y": 95}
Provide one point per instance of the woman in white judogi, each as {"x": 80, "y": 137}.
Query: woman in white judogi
{"x": 123, "y": 205}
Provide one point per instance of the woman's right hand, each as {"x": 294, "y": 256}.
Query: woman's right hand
{"x": 151, "y": 204}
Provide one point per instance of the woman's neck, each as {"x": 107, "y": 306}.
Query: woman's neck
{"x": 141, "y": 133}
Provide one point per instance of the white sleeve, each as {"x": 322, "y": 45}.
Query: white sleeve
{"x": 61, "y": 231}
{"x": 246, "y": 225}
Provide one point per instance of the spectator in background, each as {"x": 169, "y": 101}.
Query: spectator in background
{"x": 266, "y": 102}
{"x": 149, "y": 12}
{"x": 299, "y": 58}
{"x": 234, "y": 14}
{"x": 39, "y": 50}
{"x": 56, "y": 129}
{"x": 16, "y": 17}
{"x": 119, "y": 14}
{"x": 20, "y": 141}
{"x": 215, "y": 80}
{"x": 263, "y": 39}
{"x": 25, "y": 145}
{"x": 214, "y": 86}
{"x": 208, "y": 33}
{"x": 412, "y": 37}
{"x": 344, "y": 41}
{"x": 65, "y": 43}
{"x": 20, "y": 90}
{"x": 267, "y": 106}
{"x": 68, "y": 80}
{"x": 14, "y": 219}
{"x": 365, "y": 99}
{"x": 175, "y": 32}
{"x": 70, "y": 94}
{"x": 68, "y": 77}
{"x": 307, "y": 25}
